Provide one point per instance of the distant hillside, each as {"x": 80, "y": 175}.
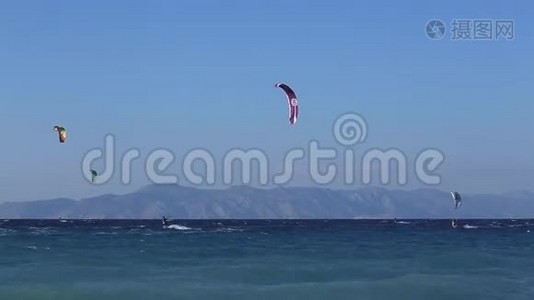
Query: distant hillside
{"x": 251, "y": 203}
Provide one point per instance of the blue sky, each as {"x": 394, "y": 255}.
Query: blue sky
{"x": 182, "y": 75}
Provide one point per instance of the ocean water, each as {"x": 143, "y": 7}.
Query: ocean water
{"x": 267, "y": 259}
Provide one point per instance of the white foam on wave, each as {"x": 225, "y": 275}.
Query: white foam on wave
{"x": 41, "y": 231}
{"x": 229, "y": 229}
{"x": 467, "y": 226}
{"x": 177, "y": 227}
{"x": 104, "y": 233}
{"x": 6, "y": 231}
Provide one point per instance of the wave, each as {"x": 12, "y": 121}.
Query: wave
{"x": 467, "y": 226}
{"x": 104, "y": 233}
{"x": 177, "y": 227}
{"x": 516, "y": 225}
{"x": 7, "y": 231}
{"x": 229, "y": 229}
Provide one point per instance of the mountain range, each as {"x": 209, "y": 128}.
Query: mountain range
{"x": 243, "y": 202}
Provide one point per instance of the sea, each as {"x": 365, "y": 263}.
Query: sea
{"x": 267, "y": 259}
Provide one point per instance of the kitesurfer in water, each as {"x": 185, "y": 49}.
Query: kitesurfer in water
{"x": 454, "y": 223}
{"x": 165, "y": 222}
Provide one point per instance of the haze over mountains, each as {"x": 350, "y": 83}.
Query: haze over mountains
{"x": 243, "y": 202}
